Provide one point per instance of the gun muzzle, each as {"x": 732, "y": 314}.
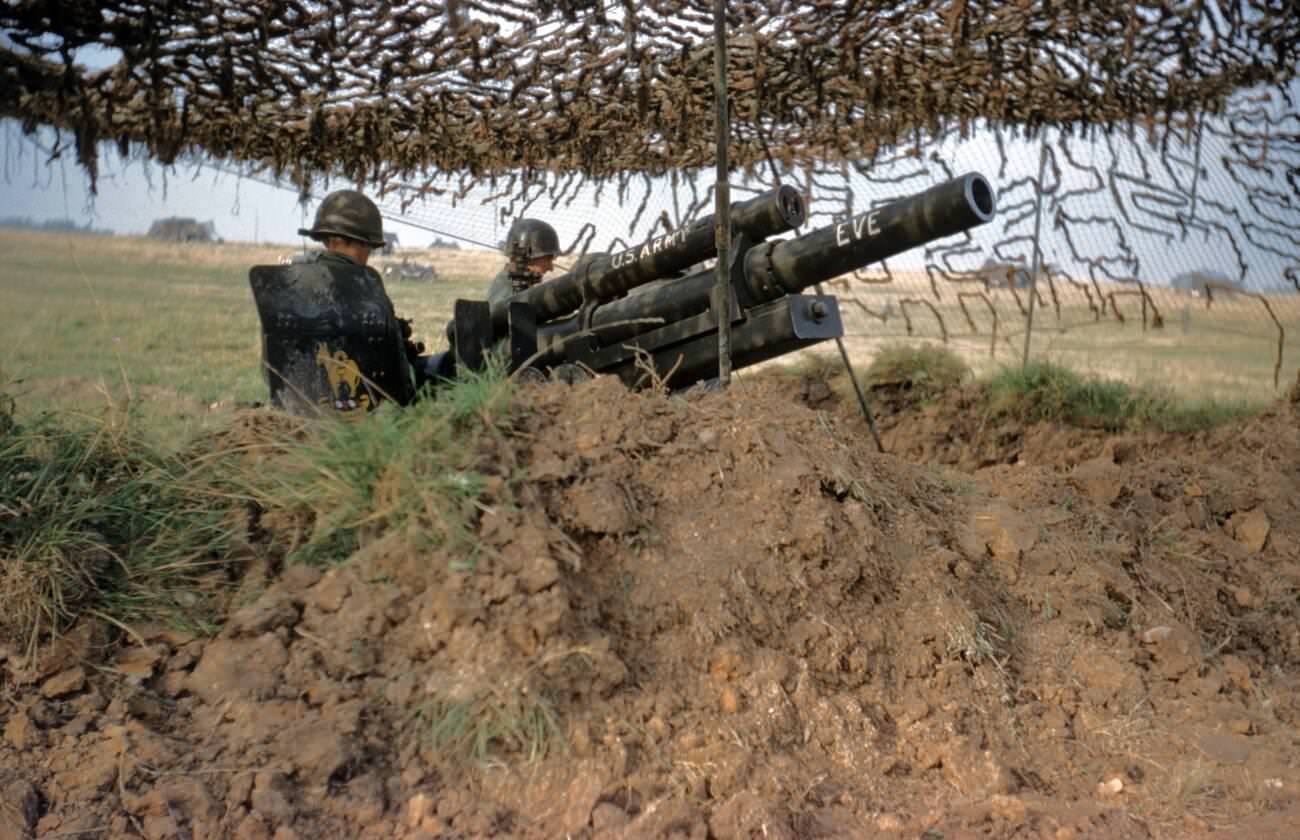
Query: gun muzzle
{"x": 789, "y": 266}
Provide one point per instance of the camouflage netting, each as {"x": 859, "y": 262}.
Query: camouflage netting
{"x": 385, "y": 91}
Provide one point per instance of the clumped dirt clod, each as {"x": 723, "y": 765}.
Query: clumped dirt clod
{"x": 726, "y": 616}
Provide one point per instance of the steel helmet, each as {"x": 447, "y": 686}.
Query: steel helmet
{"x": 349, "y": 214}
{"x": 535, "y": 237}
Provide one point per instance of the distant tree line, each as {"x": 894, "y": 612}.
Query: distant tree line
{"x": 1000, "y": 274}
{"x": 60, "y": 225}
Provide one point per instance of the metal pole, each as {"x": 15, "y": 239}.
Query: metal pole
{"x": 839, "y": 342}
{"x": 1038, "y": 254}
{"x": 857, "y": 387}
{"x": 722, "y": 195}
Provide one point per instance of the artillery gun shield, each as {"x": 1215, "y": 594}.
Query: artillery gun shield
{"x": 330, "y": 338}
{"x": 523, "y": 334}
{"x": 471, "y": 334}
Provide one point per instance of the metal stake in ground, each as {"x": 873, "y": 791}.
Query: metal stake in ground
{"x": 1038, "y": 255}
{"x": 857, "y": 387}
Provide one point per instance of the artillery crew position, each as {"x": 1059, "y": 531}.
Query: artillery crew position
{"x": 588, "y": 317}
{"x": 331, "y": 338}
{"x": 531, "y": 248}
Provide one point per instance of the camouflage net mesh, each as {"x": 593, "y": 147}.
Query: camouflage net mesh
{"x": 387, "y": 91}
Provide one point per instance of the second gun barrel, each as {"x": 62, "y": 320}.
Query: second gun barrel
{"x": 603, "y": 277}
{"x": 788, "y": 266}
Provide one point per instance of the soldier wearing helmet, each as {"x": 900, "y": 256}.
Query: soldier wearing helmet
{"x": 349, "y": 226}
{"x": 531, "y": 247}
{"x": 330, "y": 336}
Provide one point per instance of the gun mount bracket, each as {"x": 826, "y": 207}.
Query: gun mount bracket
{"x": 472, "y": 325}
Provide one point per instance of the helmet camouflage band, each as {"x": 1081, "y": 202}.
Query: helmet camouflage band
{"x": 535, "y": 237}
{"x": 349, "y": 214}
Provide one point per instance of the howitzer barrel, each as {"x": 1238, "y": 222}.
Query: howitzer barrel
{"x": 788, "y": 266}
{"x": 792, "y": 265}
{"x": 602, "y": 277}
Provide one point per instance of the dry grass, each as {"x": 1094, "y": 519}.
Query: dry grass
{"x": 481, "y": 728}
{"x": 1226, "y": 351}
{"x": 170, "y": 328}
{"x": 166, "y": 331}
{"x": 95, "y": 520}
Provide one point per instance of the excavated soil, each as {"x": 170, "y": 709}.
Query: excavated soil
{"x": 727, "y": 616}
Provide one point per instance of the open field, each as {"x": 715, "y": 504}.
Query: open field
{"x": 1224, "y": 349}
{"x": 171, "y": 329}
{"x": 582, "y": 611}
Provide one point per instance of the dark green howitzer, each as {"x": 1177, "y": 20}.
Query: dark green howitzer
{"x": 599, "y": 278}
{"x": 597, "y": 316}
{"x": 331, "y": 341}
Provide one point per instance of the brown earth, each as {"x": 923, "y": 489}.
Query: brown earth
{"x": 726, "y": 616}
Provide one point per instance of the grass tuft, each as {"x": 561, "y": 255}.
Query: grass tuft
{"x": 1042, "y": 391}
{"x": 488, "y": 724}
{"x": 95, "y": 518}
{"x": 925, "y": 371}
{"x": 820, "y": 367}
{"x": 416, "y": 468}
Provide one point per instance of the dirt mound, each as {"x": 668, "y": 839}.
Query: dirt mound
{"x": 723, "y": 615}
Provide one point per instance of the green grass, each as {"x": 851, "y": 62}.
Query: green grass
{"x": 415, "y": 469}
{"x": 98, "y": 520}
{"x": 95, "y": 520}
{"x": 104, "y": 328}
{"x": 488, "y": 724}
{"x": 926, "y": 370}
{"x": 102, "y": 325}
{"x": 1043, "y": 391}
{"x": 130, "y": 323}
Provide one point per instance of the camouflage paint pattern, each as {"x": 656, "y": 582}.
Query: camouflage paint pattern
{"x": 770, "y": 270}
{"x": 605, "y": 277}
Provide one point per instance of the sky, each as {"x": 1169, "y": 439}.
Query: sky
{"x": 131, "y": 195}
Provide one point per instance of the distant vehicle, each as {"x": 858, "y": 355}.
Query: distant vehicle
{"x": 408, "y": 270}
{"x": 303, "y": 256}
{"x": 1196, "y": 282}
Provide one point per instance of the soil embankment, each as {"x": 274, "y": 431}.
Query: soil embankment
{"x": 726, "y": 616}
